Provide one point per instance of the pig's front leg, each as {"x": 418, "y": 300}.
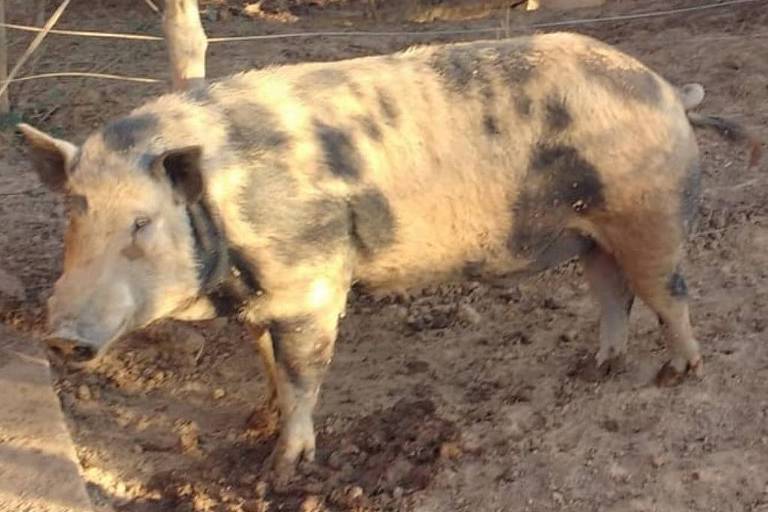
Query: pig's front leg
{"x": 303, "y": 349}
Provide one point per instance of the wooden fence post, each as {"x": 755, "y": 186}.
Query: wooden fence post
{"x": 187, "y": 43}
{"x": 5, "y": 104}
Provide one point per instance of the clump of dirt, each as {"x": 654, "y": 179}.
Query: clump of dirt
{"x": 395, "y": 448}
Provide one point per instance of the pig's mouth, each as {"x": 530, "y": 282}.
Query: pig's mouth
{"x": 69, "y": 350}
{"x": 78, "y": 351}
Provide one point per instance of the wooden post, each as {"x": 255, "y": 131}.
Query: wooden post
{"x": 186, "y": 42}
{"x": 5, "y": 104}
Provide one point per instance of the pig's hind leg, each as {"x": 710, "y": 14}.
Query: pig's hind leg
{"x": 651, "y": 254}
{"x": 667, "y": 296}
{"x": 614, "y": 297}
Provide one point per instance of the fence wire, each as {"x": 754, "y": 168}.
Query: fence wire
{"x": 391, "y": 33}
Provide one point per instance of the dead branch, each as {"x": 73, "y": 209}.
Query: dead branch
{"x": 152, "y": 5}
{"x": 33, "y": 46}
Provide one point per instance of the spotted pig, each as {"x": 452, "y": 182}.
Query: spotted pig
{"x": 269, "y": 194}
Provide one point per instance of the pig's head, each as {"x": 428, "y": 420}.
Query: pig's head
{"x": 129, "y": 256}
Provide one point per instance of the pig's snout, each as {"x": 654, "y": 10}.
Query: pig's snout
{"x": 81, "y": 326}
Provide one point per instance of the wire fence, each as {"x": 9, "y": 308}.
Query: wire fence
{"x": 391, "y": 33}
{"x": 47, "y": 30}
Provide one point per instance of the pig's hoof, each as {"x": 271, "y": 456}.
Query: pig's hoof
{"x": 287, "y": 458}
{"x": 669, "y": 376}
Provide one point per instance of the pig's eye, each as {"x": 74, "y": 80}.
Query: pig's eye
{"x": 140, "y": 223}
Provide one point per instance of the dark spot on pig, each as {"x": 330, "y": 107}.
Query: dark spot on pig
{"x": 491, "y": 125}
{"x": 199, "y": 94}
{"x": 465, "y": 69}
{"x": 456, "y": 65}
{"x": 124, "y": 134}
{"x": 561, "y": 247}
{"x": 289, "y": 342}
{"x": 324, "y": 78}
{"x": 340, "y": 153}
{"x": 573, "y": 178}
{"x": 298, "y": 229}
{"x": 515, "y": 63}
{"x": 677, "y": 286}
{"x": 388, "y": 107}
{"x": 146, "y": 160}
{"x": 253, "y": 128}
{"x": 283, "y": 334}
{"x": 559, "y": 183}
{"x": 372, "y": 223}
{"x": 269, "y": 200}
{"x": 370, "y": 128}
{"x": 326, "y": 226}
{"x": 637, "y": 84}
{"x": 523, "y": 106}
{"x": 689, "y": 195}
{"x": 557, "y": 116}
{"x": 510, "y": 59}
{"x": 462, "y": 67}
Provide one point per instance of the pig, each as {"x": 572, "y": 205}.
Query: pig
{"x": 267, "y": 195}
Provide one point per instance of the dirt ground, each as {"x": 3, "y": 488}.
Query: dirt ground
{"x": 460, "y": 398}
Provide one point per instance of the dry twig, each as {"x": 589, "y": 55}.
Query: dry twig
{"x": 33, "y": 45}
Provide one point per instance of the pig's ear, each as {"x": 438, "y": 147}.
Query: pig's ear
{"x": 182, "y": 168}
{"x": 51, "y": 157}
